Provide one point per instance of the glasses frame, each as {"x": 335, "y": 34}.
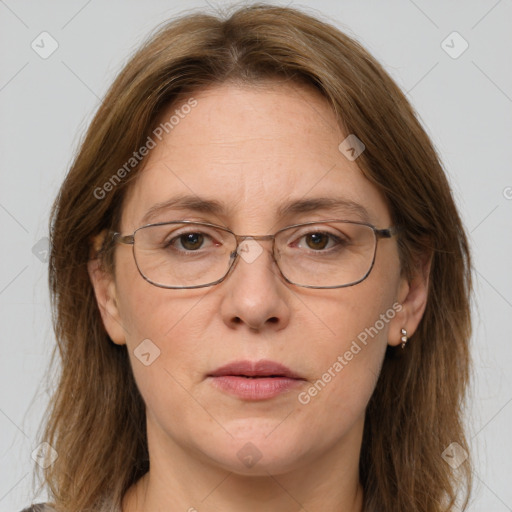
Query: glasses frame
{"x": 130, "y": 240}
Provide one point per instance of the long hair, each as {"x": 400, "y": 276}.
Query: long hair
{"x": 96, "y": 417}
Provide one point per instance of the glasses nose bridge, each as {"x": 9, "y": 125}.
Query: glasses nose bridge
{"x": 242, "y": 238}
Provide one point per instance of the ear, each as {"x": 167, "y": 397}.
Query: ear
{"x": 412, "y": 296}
{"x": 105, "y": 290}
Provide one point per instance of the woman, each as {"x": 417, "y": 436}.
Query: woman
{"x": 261, "y": 284}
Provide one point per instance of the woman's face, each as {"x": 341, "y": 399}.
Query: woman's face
{"x": 253, "y": 150}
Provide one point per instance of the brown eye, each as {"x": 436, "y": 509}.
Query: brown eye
{"x": 191, "y": 241}
{"x": 317, "y": 240}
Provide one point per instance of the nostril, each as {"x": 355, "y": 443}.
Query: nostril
{"x": 272, "y": 320}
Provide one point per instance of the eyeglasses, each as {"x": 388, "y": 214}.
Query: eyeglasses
{"x": 318, "y": 254}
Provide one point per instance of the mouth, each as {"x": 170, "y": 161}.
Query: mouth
{"x": 255, "y": 369}
{"x": 255, "y": 380}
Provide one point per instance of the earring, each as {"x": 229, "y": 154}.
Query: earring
{"x": 403, "y": 339}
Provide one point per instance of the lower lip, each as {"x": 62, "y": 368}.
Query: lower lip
{"x": 259, "y": 388}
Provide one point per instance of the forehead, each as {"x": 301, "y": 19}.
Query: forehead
{"x": 251, "y": 150}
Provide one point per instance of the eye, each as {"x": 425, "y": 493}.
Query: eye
{"x": 190, "y": 241}
{"x": 320, "y": 240}
{"x": 316, "y": 240}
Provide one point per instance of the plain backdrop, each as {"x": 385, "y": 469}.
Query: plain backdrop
{"x": 462, "y": 95}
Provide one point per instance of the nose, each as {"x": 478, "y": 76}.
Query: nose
{"x": 254, "y": 293}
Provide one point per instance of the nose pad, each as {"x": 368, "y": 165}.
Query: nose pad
{"x": 250, "y": 250}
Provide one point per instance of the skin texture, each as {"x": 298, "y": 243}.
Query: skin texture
{"x": 254, "y": 148}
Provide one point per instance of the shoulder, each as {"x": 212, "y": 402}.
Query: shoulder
{"x": 39, "y": 507}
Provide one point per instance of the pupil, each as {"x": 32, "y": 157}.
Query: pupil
{"x": 317, "y": 239}
{"x": 192, "y": 241}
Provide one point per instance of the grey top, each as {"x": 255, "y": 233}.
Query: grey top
{"x": 39, "y": 507}
{"x": 43, "y": 507}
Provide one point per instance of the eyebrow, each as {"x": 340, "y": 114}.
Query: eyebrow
{"x": 214, "y": 207}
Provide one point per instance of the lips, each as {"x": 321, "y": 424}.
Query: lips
{"x": 255, "y": 369}
{"x": 255, "y": 380}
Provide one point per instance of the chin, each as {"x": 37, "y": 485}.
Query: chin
{"x": 260, "y": 453}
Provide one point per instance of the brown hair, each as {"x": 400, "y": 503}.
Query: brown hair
{"x": 97, "y": 416}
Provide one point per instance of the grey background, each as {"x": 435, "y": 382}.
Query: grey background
{"x": 465, "y": 103}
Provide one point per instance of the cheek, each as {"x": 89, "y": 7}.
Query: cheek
{"x": 172, "y": 334}
{"x": 349, "y": 357}
{"x": 164, "y": 330}
{"x": 147, "y": 311}
{"x": 174, "y": 324}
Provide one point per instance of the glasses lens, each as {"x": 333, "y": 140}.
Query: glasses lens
{"x": 183, "y": 254}
{"x": 329, "y": 254}
{"x": 324, "y": 255}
